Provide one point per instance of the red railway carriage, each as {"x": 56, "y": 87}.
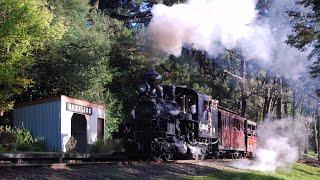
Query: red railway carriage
{"x": 251, "y": 137}
{"x": 232, "y": 136}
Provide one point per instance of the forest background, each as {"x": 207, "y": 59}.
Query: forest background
{"x": 96, "y": 51}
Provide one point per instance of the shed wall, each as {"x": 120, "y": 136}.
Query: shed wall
{"x": 43, "y": 120}
{"x": 91, "y": 124}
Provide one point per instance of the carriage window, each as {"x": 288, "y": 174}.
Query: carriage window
{"x": 249, "y": 130}
{"x": 254, "y": 130}
{"x": 205, "y": 110}
{"x": 222, "y": 121}
{"x": 228, "y": 122}
{"x": 234, "y": 123}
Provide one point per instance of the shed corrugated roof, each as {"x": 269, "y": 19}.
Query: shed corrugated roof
{"x": 62, "y": 98}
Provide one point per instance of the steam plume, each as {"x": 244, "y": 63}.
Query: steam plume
{"x": 278, "y": 145}
{"x": 208, "y": 25}
{"x": 216, "y": 25}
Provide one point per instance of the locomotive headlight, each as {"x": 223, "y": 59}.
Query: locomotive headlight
{"x": 142, "y": 88}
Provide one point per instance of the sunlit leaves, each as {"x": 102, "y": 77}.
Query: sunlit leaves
{"x": 25, "y": 26}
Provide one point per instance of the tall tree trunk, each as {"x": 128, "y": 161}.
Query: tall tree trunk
{"x": 306, "y": 149}
{"x": 279, "y": 98}
{"x": 294, "y": 103}
{"x": 244, "y": 88}
{"x": 286, "y": 112}
{"x": 266, "y": 103}
{"x": 94, "y": 4}
{"x": 318, "y": 117}
{"x": 315, "y": 133}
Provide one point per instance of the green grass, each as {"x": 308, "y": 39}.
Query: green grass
{"x": 311, "y": 154}
{"x": 298, "y": 171}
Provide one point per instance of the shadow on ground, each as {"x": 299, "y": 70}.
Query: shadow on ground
{"x": 137, "y": 171}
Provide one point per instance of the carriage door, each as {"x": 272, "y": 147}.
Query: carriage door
{"x": 79, "y": 131}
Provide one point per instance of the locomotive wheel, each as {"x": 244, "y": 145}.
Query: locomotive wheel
{"x": 200, "y": 157}
{"x": 240, "y": 156}
{"x": 167, "y": 157}
{"x": 216, "y": 155}
{"x": 157, "y": 158}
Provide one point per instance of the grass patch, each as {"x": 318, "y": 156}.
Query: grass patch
{"x": 311, "y": 154}
{"x": 298, "y": 171}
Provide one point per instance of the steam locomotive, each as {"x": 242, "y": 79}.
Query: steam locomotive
{"x": 176, "y": 122}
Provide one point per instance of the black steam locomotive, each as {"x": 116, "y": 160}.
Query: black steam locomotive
{"x": 176, "y": 122}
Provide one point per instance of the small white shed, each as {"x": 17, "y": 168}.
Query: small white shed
{"x": 56, "y": 119}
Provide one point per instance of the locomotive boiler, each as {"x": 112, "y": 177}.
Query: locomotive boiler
{"x": 177, "y": 122}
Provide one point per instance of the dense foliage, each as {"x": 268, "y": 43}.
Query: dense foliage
{"x": 306, "y": 32}
{"x": 25, "y": 27}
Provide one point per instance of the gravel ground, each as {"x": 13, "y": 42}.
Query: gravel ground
{"x": 136, "y": 170}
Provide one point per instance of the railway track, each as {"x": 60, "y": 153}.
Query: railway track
{"x": 48, "y": 159}
{"x": 56, "y": 160}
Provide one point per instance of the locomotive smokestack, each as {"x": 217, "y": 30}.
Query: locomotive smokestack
{"x": 153, "y": 78}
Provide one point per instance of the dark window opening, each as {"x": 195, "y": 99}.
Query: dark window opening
{"x": 100, "y": 129}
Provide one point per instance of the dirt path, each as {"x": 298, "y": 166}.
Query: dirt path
{"x": 181, "y": 169}
{"x": 140, "y": 170}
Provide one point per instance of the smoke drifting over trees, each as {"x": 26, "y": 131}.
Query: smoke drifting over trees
{"x": 215, "y": 26}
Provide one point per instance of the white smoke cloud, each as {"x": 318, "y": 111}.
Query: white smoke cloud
{"x": 285, "y": 60}
{"x": 278, "y": 145}
{"x": 209, "y": 25}
{"x": 216, "y": 25}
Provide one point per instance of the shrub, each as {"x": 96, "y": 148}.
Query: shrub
{"x": 7, "y": 138}
{"x": 106, "y": 147}
{"x": 99, "y": 147}
{"x": 19, "y": 140}
{"x": 2, "y": 149}
{"x": 71, "y": 144}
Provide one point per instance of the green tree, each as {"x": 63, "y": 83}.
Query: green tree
{"x": 25, "y": 26}
{"x": 96, "y": 59}
{"x": 306, "y": 32}
{"x": 77, "y": 65}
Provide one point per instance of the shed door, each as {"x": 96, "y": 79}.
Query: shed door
{"x": 100, "y": 129}
{"x": 79, "y": 131}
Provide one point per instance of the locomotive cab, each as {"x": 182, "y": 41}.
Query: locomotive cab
{"x": 199, "y": 113}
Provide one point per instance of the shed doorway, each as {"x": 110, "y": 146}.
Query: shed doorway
{"x": 79, "y": 132}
